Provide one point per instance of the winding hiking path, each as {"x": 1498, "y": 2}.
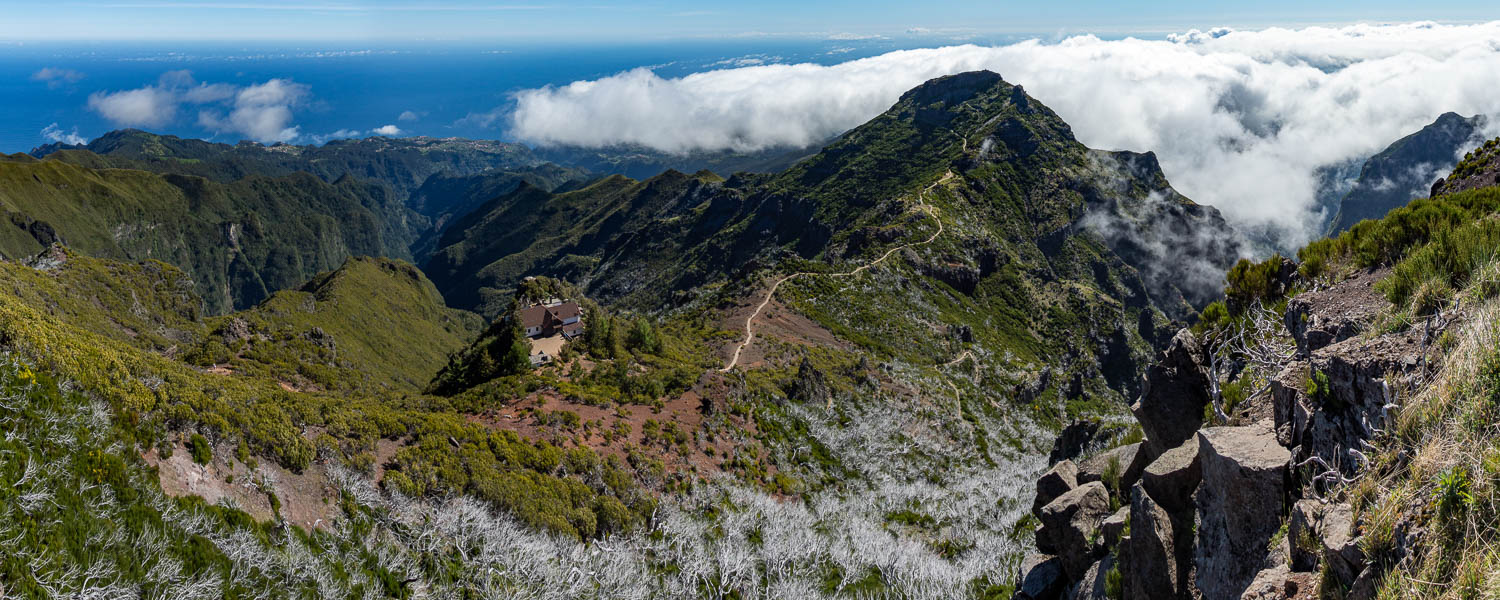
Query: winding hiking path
{"x": 750, "y": 321}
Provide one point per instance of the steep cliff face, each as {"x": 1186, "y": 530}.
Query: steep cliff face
{"x": 1406, "y": 169}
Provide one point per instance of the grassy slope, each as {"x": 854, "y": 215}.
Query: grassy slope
{"x": 115, "y": 329}
{"x": 388, "y": 326}
{"x": 239, "y": 241}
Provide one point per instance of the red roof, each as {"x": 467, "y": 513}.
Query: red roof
{"x": 533, "y": 317}
{"x": 546, "y": 318}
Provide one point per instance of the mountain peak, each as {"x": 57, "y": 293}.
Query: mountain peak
{"x": 953, "y": 89}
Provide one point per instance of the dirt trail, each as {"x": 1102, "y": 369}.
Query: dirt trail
{"x": 750, "y": 321}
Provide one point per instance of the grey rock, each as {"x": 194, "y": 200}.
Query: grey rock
{"x": 1057, "y": 481}
{"x": 1041, "y": 578}
{"x": 1092, "y": 586}
{"x": 1279, "y": 583}
{"x": 1328, "y": 316}
{"x": 1069, "y": 524}
{"x": 1366, "y": 584}
{"x": 1113, "y": 527}
{"x": 1151, "y": 560}
{"x": 1176, "y": 389}
{"x": 1324, "y": 533}
{"x": 1172, "y": 478}
{"x": 1240, "y": 501}
{"x": 1131, "y": 458}
{"x": 1288, "y": 403}
{"x": 1361, "y": 374}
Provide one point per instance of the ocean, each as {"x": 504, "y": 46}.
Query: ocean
{"x": 356, "y": 88}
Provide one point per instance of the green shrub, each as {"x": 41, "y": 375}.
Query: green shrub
{"x": 1372, "y": 243}
{"x": 1427, "y": 278}
{"x": 1454, "y": 492}
{"x": 1114, "y": 582}
{"x": 199, "y": 449}
{"x": 642, "y": 337}
{"x": 1249, "y": 283}
{"x": 1318, "y": 386}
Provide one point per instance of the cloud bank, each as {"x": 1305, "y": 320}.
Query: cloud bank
{"x": 261, "y": 112}
{"x": 1239, "y": 119}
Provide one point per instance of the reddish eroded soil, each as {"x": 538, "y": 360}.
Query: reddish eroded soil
{"x": 776, "y": 322}
{"x": 688, "y": 411}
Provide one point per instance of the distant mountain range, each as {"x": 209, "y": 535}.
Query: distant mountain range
{"x": 1404, "y": 170}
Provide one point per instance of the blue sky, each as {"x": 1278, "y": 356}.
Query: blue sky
{"x": 553, "y": 21}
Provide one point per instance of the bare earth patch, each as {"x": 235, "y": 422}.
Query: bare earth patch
{"x": 307, "y": 499}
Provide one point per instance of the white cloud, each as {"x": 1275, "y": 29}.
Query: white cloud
{"x": 387, "y": 130}
{"x": 1239, "y": 119}
{"x": 56, "y": 77}
{"x": 149, "y": 106}
{"x": 263, "y": 111}
{"x": 408, "y": 116}
{"x": 53, "y": 133}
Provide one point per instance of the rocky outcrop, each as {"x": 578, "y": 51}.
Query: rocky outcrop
{"x": 1093, "y": 586}
{"x": 1240, "y": 502}
{"x": 1126, "y": 462}
{"x": 1058, "y": 480}
{"x": 1323, "y": 534}
{"x": 1204, "y": 503}
{"x": 1114, "y": 527}
{"x": 1155, "y": 563}
{"x": 1173, "y": 477}
{"x": 1170, "y": 408}
{"x": 1069, "y": 524}
{"x": 1326, "y": 406}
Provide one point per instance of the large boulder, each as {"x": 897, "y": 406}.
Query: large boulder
{"x": 1068, "y": 526}
{"x": 1041, "y": 578}
{"x": 1281, "y": 583}
{"x": 1154, "y": 562}
{"x": 1058, "y": 480}
{"x": 1172, "y": 478}
{"x": 1176, "y": 390}
{"x": 1241, "y": 500}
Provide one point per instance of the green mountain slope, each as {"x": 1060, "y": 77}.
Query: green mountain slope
{"x": 239, "y": 241}
{"x": 1039, "y": 230}
{"x": 401, "y": 163}
{"x": 372, "y": 325}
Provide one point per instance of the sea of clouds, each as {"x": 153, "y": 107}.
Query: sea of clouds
{"x": 1241, "y": 120}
